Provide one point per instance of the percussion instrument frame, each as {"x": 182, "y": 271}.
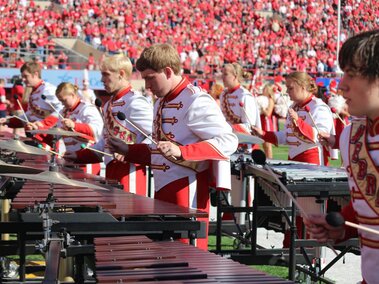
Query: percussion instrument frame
{"x": 321, "y": 189}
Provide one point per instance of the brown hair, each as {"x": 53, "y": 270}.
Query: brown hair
{"x": 360, "y": 55}
{"x": 159, "y": 56}
{"x": 31, "y": 67}
{"x": 304, "y": 80}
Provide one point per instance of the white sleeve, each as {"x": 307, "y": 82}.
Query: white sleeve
{"x": 140, "y": 112}
{"x": 252, "y": 111}
{"x": 205, "y": 119}
{"x": 93, "y": 118}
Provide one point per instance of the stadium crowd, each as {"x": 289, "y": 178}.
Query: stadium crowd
{"x": 281, "y": 34}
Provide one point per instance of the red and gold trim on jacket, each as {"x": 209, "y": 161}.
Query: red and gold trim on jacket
{"x": 34, "y": 108}
{"x": 192, "y": 153}
{"x": 226, "y": 106}
{"x": 362, "y": 168}
{"x": 302, "y": 130}
{"x": 113, "y": 126}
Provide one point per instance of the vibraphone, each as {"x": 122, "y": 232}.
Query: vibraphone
{"x": 137, "y": 259}
{"x": 319, "y": 183}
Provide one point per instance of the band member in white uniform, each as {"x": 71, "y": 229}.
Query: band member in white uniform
{"x": 115, "y": 74}
{"x": 193, "y": 138}
{"x": 358, "y": 59}
{"x": 306, "y": 117}
{"x": 81, "y": 117}
{"x": 241, "y": 110}
{"x": 39, "y": 110}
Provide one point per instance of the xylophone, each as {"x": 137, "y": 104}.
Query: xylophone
{"x": 137, "y": 258}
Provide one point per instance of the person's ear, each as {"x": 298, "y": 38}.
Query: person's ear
{"x": 121, "y": 74}
{"x": 168, "y": 72}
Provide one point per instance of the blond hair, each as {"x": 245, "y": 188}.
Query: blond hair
{"x": 303, "y": 80}
{"x": 116, "y": 63}
{"x": 237, "y": 71}
{"x": 67, "y": 87}
{"x": 270, "y": 89}
{"x": 159, "y": 56}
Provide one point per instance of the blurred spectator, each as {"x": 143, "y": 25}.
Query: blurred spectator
{"x": 62, "y": 60}
{"x": 297, "y": 33}
{"x": 3, "y": 99}
{"x": 91, "y": 62}
{"x": 86, "y": 94}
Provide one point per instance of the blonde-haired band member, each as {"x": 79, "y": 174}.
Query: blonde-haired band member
{"x": 116, "y": 71}
{"x": 81, "y": 117}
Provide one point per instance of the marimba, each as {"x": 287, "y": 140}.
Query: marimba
{"x": 86, "y": 213}
{"x": 137, "y": 259}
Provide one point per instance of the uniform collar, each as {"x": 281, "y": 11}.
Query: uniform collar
{"x": 37, "y": 86}
{"x": 75, "y": 105}
{"x": 305, "y": 102}
{"x": 121, "y": 93}
{"x": 233, "y": 89}
{"x": 373, "y": 126}
{"x": 177, "y": 90}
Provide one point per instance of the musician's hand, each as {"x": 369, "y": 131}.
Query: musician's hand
{"x": 70, "y": 156}
{"x": 293, "y": 114}
{"x": 32, "y": 125}
{"x": 320, "y": 230}
{"x": 326, "y": 139}
{"x": 116, "y": 145}
{"x": 3, "y": 120}
{"x": 68, "y": 124}
{"x": 169, "y": 149}
{"x": 256, "y": 131}
{"x": 119, "y": 157}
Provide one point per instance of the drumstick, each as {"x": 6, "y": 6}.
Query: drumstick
{"x": 242, "y": 105}
{"x": 333, "y": 109}
{"x": 98, "y": 104}
{"x": 49, "y": 151}
{"x": 44, "y": 98}
{"x": 259, "y": 157}
{"x": 335, "y": 219}
{"x": 122, "y": 116}
{"x": 60, "y": 115}
{"x": 84, "y": 146}
{"x": 23, "y": 111}
{"x": 308, "y": 110}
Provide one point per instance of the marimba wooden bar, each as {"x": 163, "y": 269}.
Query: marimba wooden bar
{"x": 156, "y": 263}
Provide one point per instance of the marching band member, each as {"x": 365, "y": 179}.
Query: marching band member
{"x": 39, "y": 110}
{"x": 238, "y": 105}
{"x": 190, "y": 131}
{"x": 266, "y": 105}
{"x": 81, "y": 117}
{"x": 306, "y": 117}
{"x": 115, "y": 74}
{"x": 358, "y": 58}
{"x": 241, "y": 111}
